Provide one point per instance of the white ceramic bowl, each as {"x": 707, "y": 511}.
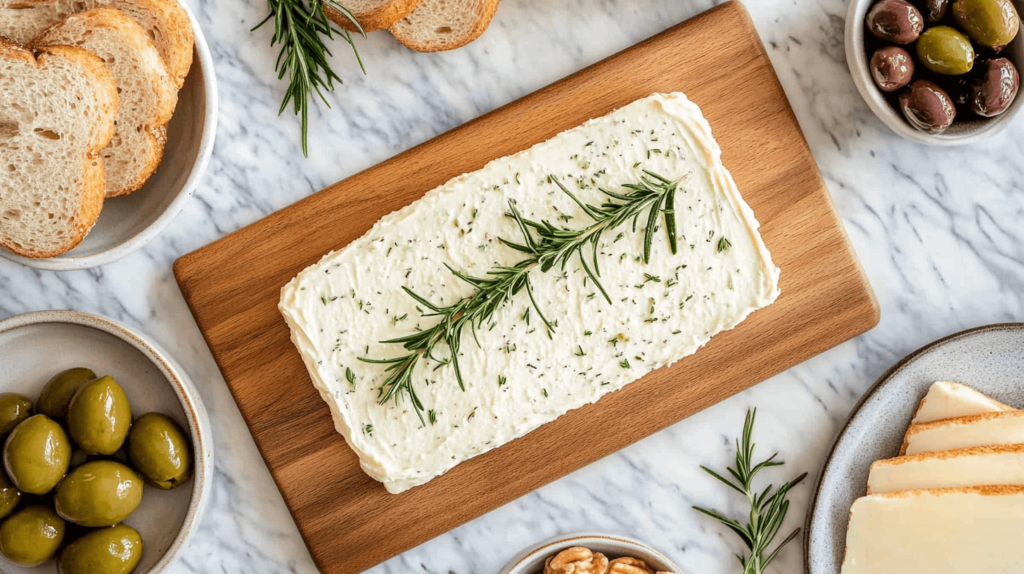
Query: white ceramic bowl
{"x": 961, "y": 132}
{"x": 128, "y": 223}
{"x": 36, "y": 346}
{"x": 531, "y": 560}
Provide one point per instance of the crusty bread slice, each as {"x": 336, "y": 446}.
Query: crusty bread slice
{"x": 977, "y": 466}
{"x": 148, "y": 93}
{"x": 438, "y": 25}
{"x": 946, "y": 400}
{"x": 987, "y": 429}
{"x": 57, "y": 112}
{"x": 372, "y": 15}
{"x": 165, "y": 21}
{"x": 22, "y": 20}
{"x": 942, "y": 531}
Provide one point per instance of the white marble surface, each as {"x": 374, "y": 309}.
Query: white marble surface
{"x": 938, "y": 231}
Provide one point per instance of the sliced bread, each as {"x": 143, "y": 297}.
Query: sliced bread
{"x": 978, "y": 466}
{"x": 438, "y": 25}
{"x": 57, "y": 111}
{"x": 22, "y": 20}
{"x": 165, "y": 21}
{"x": 372, "y": 15}
{"x": 147, "y": 92}
{"x": 946, "y": 400}
{"x": 942, "y": 531}
{"x": 987, "y": 429}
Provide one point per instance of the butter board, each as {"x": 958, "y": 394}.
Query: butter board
{"x": 348, "y": 520}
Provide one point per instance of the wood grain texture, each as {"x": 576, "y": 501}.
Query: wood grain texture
{"x": 348, "y": 520}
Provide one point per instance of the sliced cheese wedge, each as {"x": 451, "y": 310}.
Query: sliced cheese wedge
{"x": 943, "y": 531}
{"x": 965, "y": 432}
{"x": 946, "y": 400}
{"x": 978, "y": 466}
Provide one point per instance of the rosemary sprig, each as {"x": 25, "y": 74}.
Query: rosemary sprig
{"x": 546, "y": 247}
{"x": 767, "y": 510}
{"x": 300, "y": 26}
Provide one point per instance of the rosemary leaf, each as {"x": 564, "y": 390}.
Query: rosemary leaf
{"x": 300, "y": 27}
{"x": 767, "y": 509}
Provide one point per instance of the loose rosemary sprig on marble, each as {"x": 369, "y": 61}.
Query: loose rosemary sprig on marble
{"x": 767, "y": 510}
{"x": 546, "y": 246}
{"x": 300, "y": 26}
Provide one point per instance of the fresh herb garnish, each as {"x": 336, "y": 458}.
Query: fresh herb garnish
{"x": 546, "y": 247}
{"x": 723, "y": 244}
{"x": 300, "y": 26}
{"x": 767, "y": 510}
{"x": 350, "y": 376}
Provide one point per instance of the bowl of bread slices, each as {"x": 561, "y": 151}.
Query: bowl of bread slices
{"x": 108, "y": 113}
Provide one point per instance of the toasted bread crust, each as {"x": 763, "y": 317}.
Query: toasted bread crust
{"x": 381, "y": 18}
{"x": 93, "y": 189}
{"x": 175, "y": 23}
{"x": 479, "y": 27}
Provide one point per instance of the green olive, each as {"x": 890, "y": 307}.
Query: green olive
{"x": 58, "y": 391}
{"x": 10, "y": 496}
{"x": 98, "y": 493}
{"x": 944, "y": 50}
{"x": 31, "y": 536}
{"x": 114, "y": 550}
{"x": 13, "y": 409}
{"x": 37, "y": 454}
{"x": 159, "y": 450}
{"x": 99, "y": 417}
{"x": 989, "y": 22}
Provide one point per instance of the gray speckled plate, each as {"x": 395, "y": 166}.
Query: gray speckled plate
{"x": 990, "y": 359}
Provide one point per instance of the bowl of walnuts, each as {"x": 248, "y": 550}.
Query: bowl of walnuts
{"x": 590, "y": 554}
{"x": 941, "y": 72}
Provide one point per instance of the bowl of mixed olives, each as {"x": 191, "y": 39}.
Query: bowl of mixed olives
{"x": 105, "y": 456}
{"x": 943, "y": 72}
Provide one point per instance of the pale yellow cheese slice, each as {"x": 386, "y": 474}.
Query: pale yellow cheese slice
{"x": 946, "y": 400}
{"x": 974, "y": 530}
{"x": 965, "y": 432}
{"x": 978, "y": 466}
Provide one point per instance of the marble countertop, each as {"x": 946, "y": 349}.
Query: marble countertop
{"x": 939, "y": 233}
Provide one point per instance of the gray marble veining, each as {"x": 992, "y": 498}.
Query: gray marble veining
{"x": 939, "y": 232}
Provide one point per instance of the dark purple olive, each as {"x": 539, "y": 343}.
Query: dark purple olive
{"x": 892, "y": 68}
{"x": 995, "y": 87}
{"x": 895, "y": 21}
{"x": 927, "y": 107}
{"x": 934, "y": 10}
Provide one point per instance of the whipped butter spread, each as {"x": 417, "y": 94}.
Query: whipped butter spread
{"x": 518, "y": 378}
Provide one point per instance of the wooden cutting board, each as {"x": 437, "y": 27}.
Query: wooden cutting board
{"x": 349, "y": 522}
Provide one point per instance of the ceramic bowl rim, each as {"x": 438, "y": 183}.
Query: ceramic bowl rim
{"x": 857, "y": 61}
{"x": 878, "y": 384}
{"x": 198, "y": 168}
{"x": 546, "y": 547}
{"x": 186, "y": 392}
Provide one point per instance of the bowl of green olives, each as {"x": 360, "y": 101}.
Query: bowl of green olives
{"x": 105, "y": 447}
{"x": 941, "y": 72}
